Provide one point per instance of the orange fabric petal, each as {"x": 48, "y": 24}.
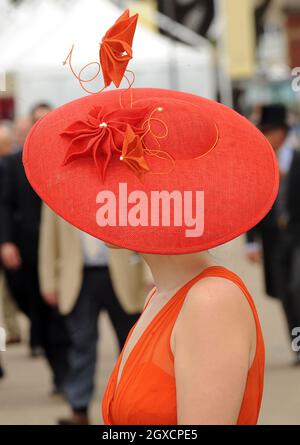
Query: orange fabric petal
{"x": 116, "y": 48}
{"x": 133, "y": 153}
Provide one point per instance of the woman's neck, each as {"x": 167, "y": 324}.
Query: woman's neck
{"x": 172, "y": 271}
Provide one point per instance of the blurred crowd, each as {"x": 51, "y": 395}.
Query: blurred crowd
{"x": 276, "y": 239}
{"x": 61, "y": 278}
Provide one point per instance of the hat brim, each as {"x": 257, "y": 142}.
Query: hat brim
{"x": 239, "y": 176}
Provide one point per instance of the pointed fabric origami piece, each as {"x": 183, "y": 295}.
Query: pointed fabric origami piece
{"x": 102, "y": 134}
{"x": 116, "y": 49}
{"x": 133, "y": 153}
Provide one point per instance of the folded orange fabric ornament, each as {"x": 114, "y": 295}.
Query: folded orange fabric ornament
{"x": 133, "y": 153}
{"x": 102, "y": 134}
{"x": 116, "y": 48}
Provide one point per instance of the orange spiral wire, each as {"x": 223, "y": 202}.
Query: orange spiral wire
{"x": 82, "y": 81}
{"x": 156, "y": 152}
{"x": 130, "y": 84}
{"x": 78, "y": 76}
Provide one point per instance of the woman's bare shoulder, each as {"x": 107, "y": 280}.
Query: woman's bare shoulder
{"x": 216, "y": 303}
{"x": 213, "y": 350}
{"x": 216, "y": 293}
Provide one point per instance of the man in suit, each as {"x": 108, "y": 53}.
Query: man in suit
{"x": 5, "y": 145}
{"x": 20, "y": 222}
{"x": 22, "y": 126}
{"x": 8, "y": 304}
{"x": 81, "y": 276}
{"x": 279, "y": 231}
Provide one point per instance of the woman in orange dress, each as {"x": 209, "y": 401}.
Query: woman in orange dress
{"x": 170, "y": 175}
{"x": 195, "y": 356}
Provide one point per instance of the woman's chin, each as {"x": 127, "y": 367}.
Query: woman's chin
{"x": 112, "y": 246}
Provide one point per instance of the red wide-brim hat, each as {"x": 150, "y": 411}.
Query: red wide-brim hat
{"x": 100, "y": 162}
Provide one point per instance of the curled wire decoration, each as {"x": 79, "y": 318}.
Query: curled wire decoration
{"x": 156, "y": 152}
{"x": 213, "y": 145}
{"x": 130, "y": 84}
{"x": 81, "y": 80}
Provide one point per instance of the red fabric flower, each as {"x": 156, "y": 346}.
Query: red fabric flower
{"x": 133, "y": 153}
{"x": 116, "y": 49}
{"x": 102, "y": 134}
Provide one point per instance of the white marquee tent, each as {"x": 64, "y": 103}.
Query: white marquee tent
{"x": 42, "y": 33}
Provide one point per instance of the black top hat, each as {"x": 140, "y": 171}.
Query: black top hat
{"x": 272, "y": 117}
